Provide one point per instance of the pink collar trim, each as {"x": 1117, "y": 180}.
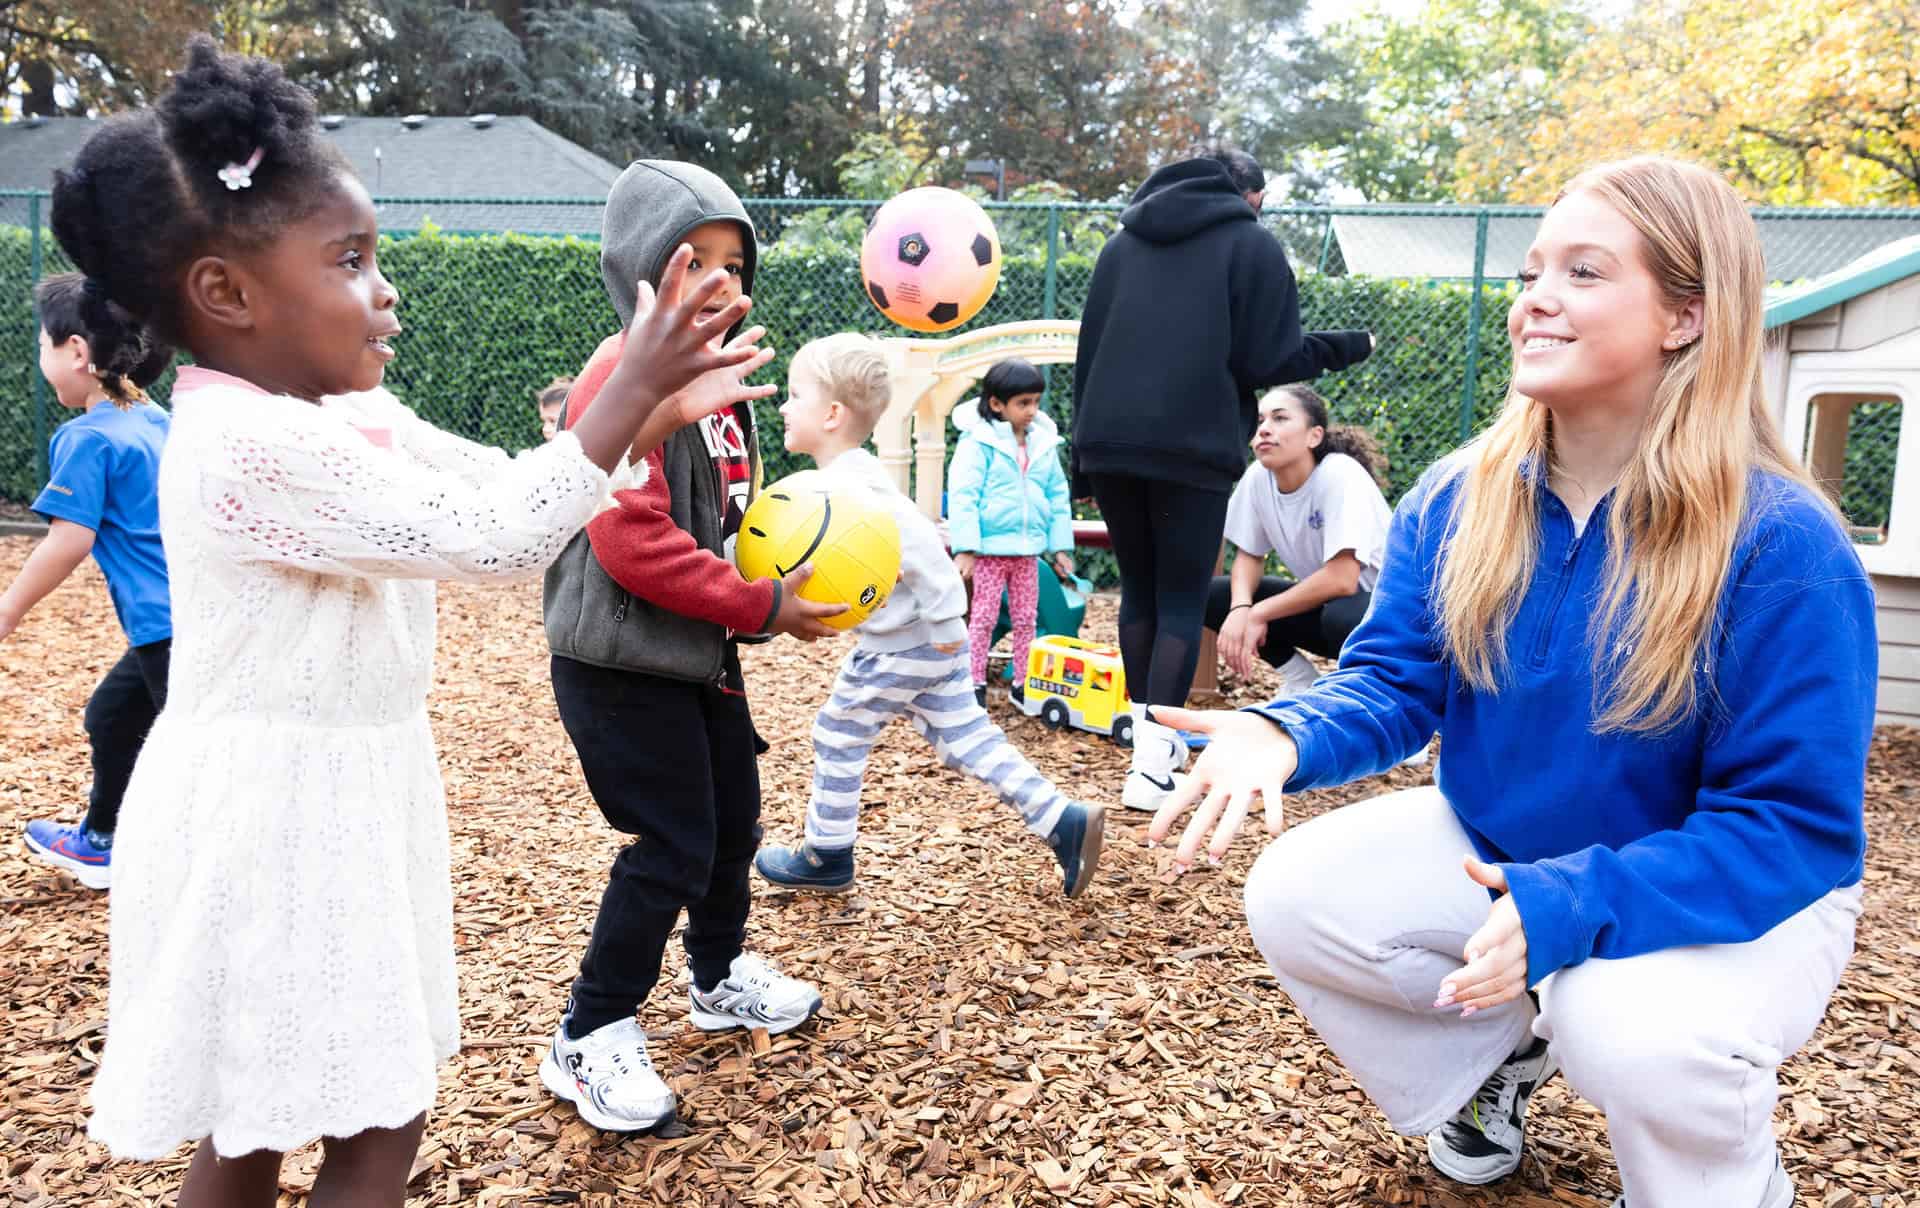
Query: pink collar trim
{"x": 196, "y": 377}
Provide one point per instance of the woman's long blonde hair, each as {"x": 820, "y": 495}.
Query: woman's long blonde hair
{"x": 1680, "y": 502}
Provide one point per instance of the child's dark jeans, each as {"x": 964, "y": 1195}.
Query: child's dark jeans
{"x": 673, "y": 764}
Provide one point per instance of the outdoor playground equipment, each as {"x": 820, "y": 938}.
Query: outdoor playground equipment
{"x": 930, "y": 377}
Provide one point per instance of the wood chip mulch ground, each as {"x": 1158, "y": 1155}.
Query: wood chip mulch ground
{"x": 984, "y": 1042}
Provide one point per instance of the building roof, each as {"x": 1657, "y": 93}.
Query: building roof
{"x": 1434, "y": 243}
{"x": 435, "y": 157}
{"x": 1895, "y": 262}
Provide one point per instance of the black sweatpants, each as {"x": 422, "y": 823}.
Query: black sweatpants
{"x": 119, "y": 714}
{"x": 1166, "y": 538}
{"x": 674, "y": 764}
{"x": 1320, "y": 631}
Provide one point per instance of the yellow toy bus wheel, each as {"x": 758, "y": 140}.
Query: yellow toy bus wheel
{"x": 1054, "y": 714}
{"x": 1123, "y": 730}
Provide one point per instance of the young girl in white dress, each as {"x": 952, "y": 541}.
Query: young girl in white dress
{"x": 282, "y": 945}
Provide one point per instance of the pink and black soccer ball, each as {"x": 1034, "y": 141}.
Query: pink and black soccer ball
{"x": 931, "y": 259}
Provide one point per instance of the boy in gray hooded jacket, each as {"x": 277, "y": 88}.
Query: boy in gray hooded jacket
{"x": 643, "y": 614}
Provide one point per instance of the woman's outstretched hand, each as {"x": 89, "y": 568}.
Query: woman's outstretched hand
{"x": 1496, "y": 955}
{"x": 1248, "y": 757}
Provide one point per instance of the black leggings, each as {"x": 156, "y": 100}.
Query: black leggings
{"x": 1321, "y": 630}
{"x": 1166, "y": 538}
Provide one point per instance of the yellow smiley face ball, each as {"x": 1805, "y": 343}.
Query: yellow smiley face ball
{"x": 846, "y": 533}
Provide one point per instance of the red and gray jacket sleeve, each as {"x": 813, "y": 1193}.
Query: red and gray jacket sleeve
{"x": 641, "y": 548}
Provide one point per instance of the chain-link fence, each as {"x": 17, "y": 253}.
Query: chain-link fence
{"x": 492, "y": 316}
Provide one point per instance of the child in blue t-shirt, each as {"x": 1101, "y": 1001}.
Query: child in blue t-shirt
{"x": 100, "y": 499}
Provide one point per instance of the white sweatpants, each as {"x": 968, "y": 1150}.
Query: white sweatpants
{"x": 1363, "y": 911}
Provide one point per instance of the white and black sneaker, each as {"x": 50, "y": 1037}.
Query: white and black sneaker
{"x": 1297, "y": 675}
{"x": 1483, "y": 1140}
{"x": 1158, "y": 753}
{"x": 608, "y": 1076}
{"x": 753, "y": 995}
{"x": 1779, "y": 1192}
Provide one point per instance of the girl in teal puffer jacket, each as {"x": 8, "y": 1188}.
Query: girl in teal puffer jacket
{"x": 1007, "y": 504}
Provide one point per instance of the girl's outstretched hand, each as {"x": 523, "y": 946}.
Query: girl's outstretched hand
{"x": 1248, "y": 756}
{"x": 669, "y": 347}
{"x": 669, "y": 344}
{"x": 716, "y": 389}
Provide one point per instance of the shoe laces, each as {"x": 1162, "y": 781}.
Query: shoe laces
{"x": 752, "y": 971}
{"x": 1489, "y": 1095}
{"x": 626, "y": 1056}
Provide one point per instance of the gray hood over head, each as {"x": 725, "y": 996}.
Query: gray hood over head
{"x": 649, "y": 212}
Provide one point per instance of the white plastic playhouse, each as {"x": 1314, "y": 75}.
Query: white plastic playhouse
{"x": 1843, "y": 369}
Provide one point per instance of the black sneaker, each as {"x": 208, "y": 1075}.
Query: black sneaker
{"x": 980, "y": 694}
{"x": 1017, "y": 692}
{"x": 1483, "y": 1140}
{"x": 805, "y": 866}
{"x": 1076, "y": 840}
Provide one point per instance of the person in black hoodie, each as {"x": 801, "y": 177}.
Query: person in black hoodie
{"x": 1192, "y": 310}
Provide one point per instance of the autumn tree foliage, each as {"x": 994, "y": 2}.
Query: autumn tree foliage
{"x": 1798, "y": 101}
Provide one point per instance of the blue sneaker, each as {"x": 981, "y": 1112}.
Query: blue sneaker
{"x": 1075, "y": 840}
{"x": 72, "y": 849}
{"x": 807, "y": 867}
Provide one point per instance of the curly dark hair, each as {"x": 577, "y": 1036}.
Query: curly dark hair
{"x": 145, "y": 198}
{"x": 1355, "y": 442}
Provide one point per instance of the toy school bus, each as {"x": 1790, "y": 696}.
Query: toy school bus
{"x": 1071, "y": 682}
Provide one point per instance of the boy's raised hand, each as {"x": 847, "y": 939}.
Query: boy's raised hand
{"x": 804, "y": 619}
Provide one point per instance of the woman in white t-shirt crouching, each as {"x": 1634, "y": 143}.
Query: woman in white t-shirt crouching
{"x": 1311, "y": 497}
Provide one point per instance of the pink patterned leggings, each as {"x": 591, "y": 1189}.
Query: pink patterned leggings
{"x": 1020, "y": 577}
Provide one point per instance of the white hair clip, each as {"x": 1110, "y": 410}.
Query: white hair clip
{"x": 240, "y": 176}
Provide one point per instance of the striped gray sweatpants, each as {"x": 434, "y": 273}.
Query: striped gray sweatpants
{"x": 935, "y": 691}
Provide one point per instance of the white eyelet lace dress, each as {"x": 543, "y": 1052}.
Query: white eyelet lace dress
{"x": 282, "y": 922}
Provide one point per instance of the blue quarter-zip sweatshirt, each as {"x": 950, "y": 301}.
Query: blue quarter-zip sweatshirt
{"x": 1711, "y": 832}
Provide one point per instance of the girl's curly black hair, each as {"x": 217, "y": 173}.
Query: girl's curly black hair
{"x": 145, "y": 196}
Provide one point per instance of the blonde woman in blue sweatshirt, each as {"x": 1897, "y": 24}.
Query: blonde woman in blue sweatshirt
{"x": 1648, "y": 647}
{"x": 1007, "y": 504}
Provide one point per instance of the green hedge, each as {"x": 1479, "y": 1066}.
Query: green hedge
{"x": 491, "y": 318}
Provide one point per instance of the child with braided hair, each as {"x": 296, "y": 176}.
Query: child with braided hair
{"x": 99, "y": 500}
{"x": 282, "y": 930}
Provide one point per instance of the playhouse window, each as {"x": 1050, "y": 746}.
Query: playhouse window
{"x": 1853, "y": 446}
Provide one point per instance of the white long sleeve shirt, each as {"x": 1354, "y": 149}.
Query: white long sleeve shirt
{"x": 929, "y": 604}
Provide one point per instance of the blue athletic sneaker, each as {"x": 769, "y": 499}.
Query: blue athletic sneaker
{"x": 1075, "y": 840}
{"x": 73, "y": 849}
{"x": 807, "y": 867}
